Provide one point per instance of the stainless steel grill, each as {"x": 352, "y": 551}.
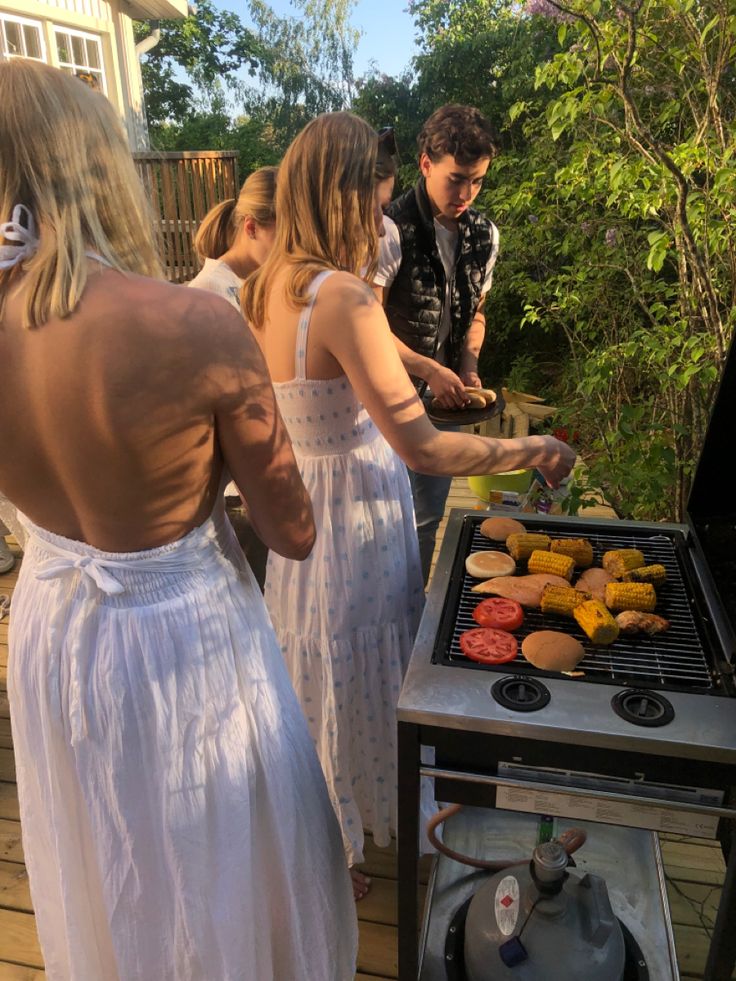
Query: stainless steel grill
{"x": 673, "y": 660}
{"x": 645, "y": 738}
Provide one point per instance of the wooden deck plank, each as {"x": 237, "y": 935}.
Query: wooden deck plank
{"x": 9, "y": 801}
{"x": 16, "y": 972}
{"x": 11, "y": 848}
{"x": 18, "y": 939}
{"x": 7, "y": 764}
{"x": 14, "y": 890}
{"x": 378, "y": 949}
{"x": 693, "y": 903}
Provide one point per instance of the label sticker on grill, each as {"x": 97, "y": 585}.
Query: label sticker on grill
{"x": 507, "y": 904}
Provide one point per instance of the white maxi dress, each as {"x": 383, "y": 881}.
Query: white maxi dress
{"x": 346, "y": 618}
{"x": 176, "y": 824}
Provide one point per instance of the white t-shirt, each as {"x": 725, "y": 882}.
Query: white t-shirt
{"x": 389, "y": 262}
{"x": 217, "y": 277}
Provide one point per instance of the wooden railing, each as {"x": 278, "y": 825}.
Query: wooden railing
{"x": 182, "y": 187}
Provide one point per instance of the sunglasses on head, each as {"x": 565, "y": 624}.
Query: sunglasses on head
{"x": 387, "y": 138}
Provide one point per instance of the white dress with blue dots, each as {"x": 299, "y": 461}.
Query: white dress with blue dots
{"x": 347, "y": 616}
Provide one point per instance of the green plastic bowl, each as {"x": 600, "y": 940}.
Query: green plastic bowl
{"x": 484, "y": 487}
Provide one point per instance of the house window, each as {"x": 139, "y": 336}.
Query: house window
{"x": 81, "y": 55}
{"x": 20, "y": 38}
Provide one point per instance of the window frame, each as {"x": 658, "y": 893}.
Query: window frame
{"x": 23, "y": 22}
{"x": 72, "y": 66}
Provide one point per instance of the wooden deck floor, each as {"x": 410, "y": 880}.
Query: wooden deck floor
{"x": 694, "y": 871}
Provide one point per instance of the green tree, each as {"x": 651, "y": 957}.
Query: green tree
{"x": 614, "y": 194}
{"x": 192, "y": 58}
{"x": 298, "y": 66}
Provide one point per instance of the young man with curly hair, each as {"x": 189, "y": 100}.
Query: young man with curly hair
{"x": 435, "y": 269}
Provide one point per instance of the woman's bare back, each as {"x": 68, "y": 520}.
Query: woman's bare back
{"x": 111, "y": 414}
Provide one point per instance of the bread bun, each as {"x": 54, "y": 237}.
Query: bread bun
{"x": 499, "y": 529}
{"x": 475, "y": 401}
{"x": 551, "y": 650}
{"x": 488, "y": 565}
{"x": 488, "y": 394}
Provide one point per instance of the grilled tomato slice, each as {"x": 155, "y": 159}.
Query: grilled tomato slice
{"x": 503, "y": 614}
{"x": 488, "y": 646}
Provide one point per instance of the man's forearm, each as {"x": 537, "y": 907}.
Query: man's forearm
{"x": 415, "y": 364}
{"x": 472, "y": 345}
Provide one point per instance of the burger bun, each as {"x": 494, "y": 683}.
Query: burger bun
{"x": 499, "y": 529}
{"x": 488, "y": 565}
{"x": 551, "y": 650}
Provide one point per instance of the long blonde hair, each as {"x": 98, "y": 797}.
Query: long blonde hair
{"x": 221, "y": 225}
{"x": 64, "y": 154}
{"x": 324, "y": 210}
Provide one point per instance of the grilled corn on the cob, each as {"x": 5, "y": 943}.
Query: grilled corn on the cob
{"x": 622, "y": 560}
{"x": 655, "y": 574}
{"x": 579, "y": 548}
{"x": 596, "y": 621}
{"x": 557, "y": 565}
{"x": 562, "y": 599}
{"x": 631, "y": 596}
{"x": 521, "y": 545}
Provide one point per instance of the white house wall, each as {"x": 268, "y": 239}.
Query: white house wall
{"x": 115, "y": 31}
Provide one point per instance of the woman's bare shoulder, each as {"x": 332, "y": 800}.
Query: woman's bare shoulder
{"x": 348, "y": 293}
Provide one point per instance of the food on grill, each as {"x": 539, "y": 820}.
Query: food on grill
{"x": 488, "y": 646}
{"x": 631, "y": 596}
{"x": 503, "y": 614}
{"x": 486, "y": 565}
{"x": 552, "y": 651}
{"x": 579, "y": 549}
{"x": 521, "y": 545}
{"x": 594, "y": 581}
{"x": 499, "y": 529}
{"x": 655, "y": 574}
{"x": 634, "y": 622}
{"x": 622, "y": 560}
{"x": 557, "y": 565}
{"x": 562, "y": 600}
{"x": 526, "y": 590}
{"x": 596, "y": 621}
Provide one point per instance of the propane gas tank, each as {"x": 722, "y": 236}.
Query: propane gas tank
{"x": 543, "y": 922}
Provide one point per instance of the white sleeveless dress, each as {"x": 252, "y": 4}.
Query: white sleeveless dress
{"x": 347, "y": 616}
{"x": 176, "y": 824}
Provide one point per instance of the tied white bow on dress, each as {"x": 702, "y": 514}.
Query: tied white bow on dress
{"x": 21, "y": 229}
{"x": 187, "y": 554}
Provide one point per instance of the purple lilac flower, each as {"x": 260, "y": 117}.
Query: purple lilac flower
{"x": 586, "y": 227}
{"x": 546, "y": 9}
{"x": 533, "y": 219}
{"x": 611, "y": 237}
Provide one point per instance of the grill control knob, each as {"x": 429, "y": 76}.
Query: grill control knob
{"x": 642, "y": 707}
{"x": 521, "y": 694}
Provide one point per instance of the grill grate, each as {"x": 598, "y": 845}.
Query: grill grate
{"x": 675, "y": 659}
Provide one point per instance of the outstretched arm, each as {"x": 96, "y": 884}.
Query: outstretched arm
{"x": 365, "y": 348}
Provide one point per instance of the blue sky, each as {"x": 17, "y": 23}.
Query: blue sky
{"x": 388, "y": 31}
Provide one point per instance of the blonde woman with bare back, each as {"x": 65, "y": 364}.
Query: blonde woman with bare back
{"x": 347, "y": 616}
{"x": 176, "y": 825}
{"x": 236, "y": 236}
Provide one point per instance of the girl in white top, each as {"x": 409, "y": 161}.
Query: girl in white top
{"x": 236, "y": 236}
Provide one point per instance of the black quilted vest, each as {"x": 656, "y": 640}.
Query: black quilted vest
{"x": 417, "y": 295}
